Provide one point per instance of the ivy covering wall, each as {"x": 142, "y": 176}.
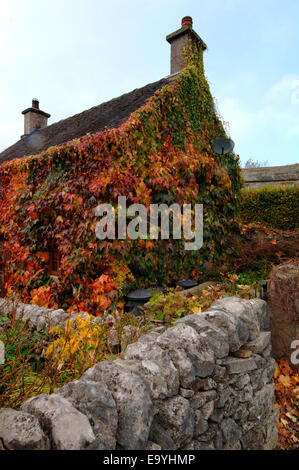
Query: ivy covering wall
{"x": 163, "y": 153}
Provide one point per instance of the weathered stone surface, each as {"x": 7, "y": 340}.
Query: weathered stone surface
{"x": 283, "y": 301}
{"x": 231, "y": 406}
{"x": 160, "y": 436}
{"x": 186, "y": 393}
{"x": 256, "y": 379}
{"x": 95, "y": 401}
{"x": 236, "y": 365}
{"x": 210, "y": 335}
{"x": 35, "y": 317}
{"x": 185, "y": 338}
{"x": 253, "y": 439}
{"x": 240, "y": 309}
{"x": 201, "y": 398}
{"x": 217, "y": 415}
{"x": 241, "y": 381}
{"x": 66, "y": 427}
{"x": 241, "y": 413}
{"x": 184, "y": 366}
{"x": 39, "y": 318}
{"x": 204, "y": 384}
{"x": 152, "y": 374}
{"x": 152, "y": 446}
{"x": 260, "y": 308}
{"x": 204, "y": 445}
{"x": 259, "y": 360}
{"x": 267, "y": 352}
{"x": 219, "y": 372}
{"x": 269, "y": 370}
{"x": 224, "y": 395}
{"x": 177, "y": 417}
{"x": 200, "y": 423}
{"x": 156, "y": 367}
{"x": 233, "y": 446}
{"x": 133, "y": 401}
{"x": 209, "y": 435}
{"x": 174, "y": 389}
{"x": 271, "y": 431}
{"x": 56, "y": 317}
{"x": 196, "y": 445}
{"x": 218, "y": 440}
{"x": 260, "y": 343}
{"x": 235, "y": 328}
{"x": 207, "y": 409}
{"x": 230, "y": 430}
{"x": 262, "y": 405}
{"x": 21, "y": 431}
{"x": 246, "y": 394}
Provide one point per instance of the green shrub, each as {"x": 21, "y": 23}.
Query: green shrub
{"x": 277, "y": 207}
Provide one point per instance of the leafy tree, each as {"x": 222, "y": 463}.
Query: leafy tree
{"x": 255, "y": 164}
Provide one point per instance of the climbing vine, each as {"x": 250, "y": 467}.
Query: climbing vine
{"x": 162, "y": 153}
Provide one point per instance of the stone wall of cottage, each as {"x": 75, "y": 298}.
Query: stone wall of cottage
{"x": 204, "y": 383}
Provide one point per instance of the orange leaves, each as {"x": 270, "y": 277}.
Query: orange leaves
{"x": 284, "y": 367}
{"x": 78, "y": 201}
{"x": 149, "y": 245}
{"x": 100, "y": 287}
{"x": 287, "y": 401}
{"x": 42, "y": 297}
{"x": 161, "y": 154}
{"x": 77, "y": 307}
{"x": 104, "y": 302}
{"x": 43, "y": 255}
{"x": 285, "y": 380}
{"x": 32, "y": 212}
{"x": 103, "y": 283}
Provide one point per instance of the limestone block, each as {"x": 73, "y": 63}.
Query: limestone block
{"x": 21, "y": 431}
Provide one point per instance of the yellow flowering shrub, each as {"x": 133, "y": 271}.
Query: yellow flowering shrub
{"x": 78, "y": 342}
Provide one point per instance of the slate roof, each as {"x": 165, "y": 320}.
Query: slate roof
{"x": 269, "y": 174}
{"x": 110, "y": 114}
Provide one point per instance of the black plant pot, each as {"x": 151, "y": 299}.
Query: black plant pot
{"x": 187, "y": 283}
{"x": 140, "y": 297}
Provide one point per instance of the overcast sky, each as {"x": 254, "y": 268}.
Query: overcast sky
{"x": 75, "y": 54}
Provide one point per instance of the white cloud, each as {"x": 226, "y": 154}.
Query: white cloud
{"x": 277, "y": 112}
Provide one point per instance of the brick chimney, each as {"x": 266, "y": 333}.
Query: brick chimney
{"x": 34, "y": 118}
{"x": 178, "y": 40}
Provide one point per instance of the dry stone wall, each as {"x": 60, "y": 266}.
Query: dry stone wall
{"x": 205, "y": 383}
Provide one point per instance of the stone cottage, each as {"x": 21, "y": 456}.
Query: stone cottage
{"x": 152, "y": 145}
{"x": 183, "y": 388}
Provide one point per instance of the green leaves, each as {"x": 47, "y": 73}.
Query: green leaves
{"x": 162, "y": 153}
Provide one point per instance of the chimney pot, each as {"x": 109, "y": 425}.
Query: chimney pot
{"x": 35, "y": 103}
{"x": 187, "y": 21}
